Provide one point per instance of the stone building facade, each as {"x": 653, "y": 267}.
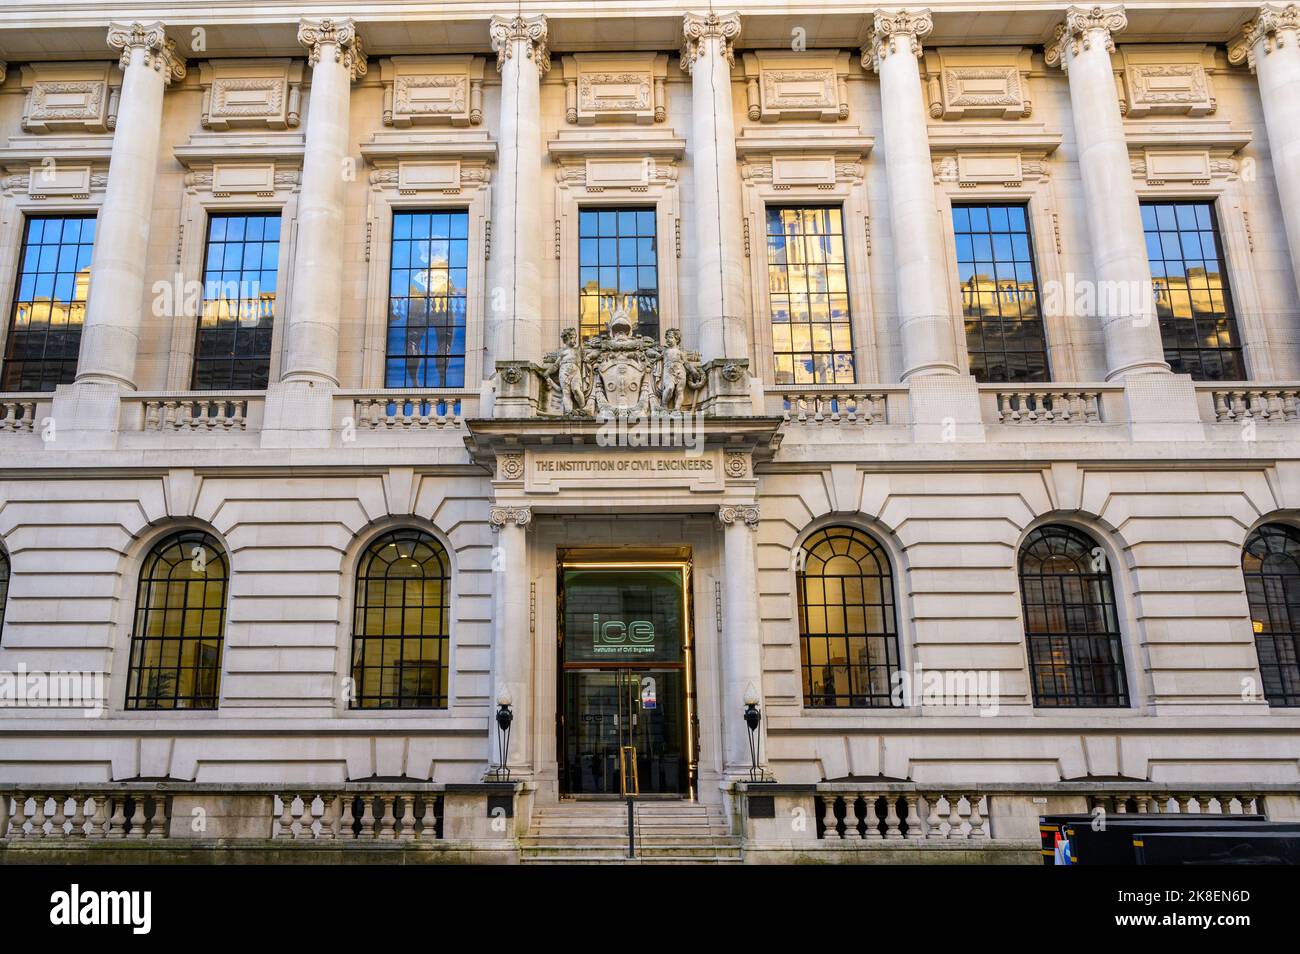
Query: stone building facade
{"x": 933, "y": 395}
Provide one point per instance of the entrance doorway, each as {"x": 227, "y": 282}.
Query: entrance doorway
{"x": 626, "y": 689}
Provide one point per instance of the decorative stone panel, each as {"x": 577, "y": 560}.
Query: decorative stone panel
{"x": 70, "y": 97}
{"x": 990, "y": 82}
{"x": 251, "y": 94}
{"x": 1169, "y": 80}
{"x": 796, "y": 86}
{"x": 604, "y": 88}
{"x": 432, "y": 90}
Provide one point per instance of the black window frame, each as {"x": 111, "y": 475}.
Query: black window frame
{"x": 596, "y": 306}
{"x": 51, "y": 371}
{"x": 250, "y": 371}
{"x": 1173, "y": 326}
{"x": 838, "y": 540}
{"x": 1277, "y": 646}
{"x": 415, "y": 366}
{"x": 837, "y": 375}
{"x": 438, "y": 697}
{"x": 182, "y": 546}
{"x": 1067, "y": 668}
{"x": 999, "y": 328}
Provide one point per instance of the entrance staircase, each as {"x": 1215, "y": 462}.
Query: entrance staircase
{"x": 595, "y": 832}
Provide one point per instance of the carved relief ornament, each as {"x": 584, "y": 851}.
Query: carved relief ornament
{"x": 892, "y": 32}
{"x": 1081, "y": 29}
{"x": 159, "y": 52}
{"x": 342, "y": 35}
{"x": 531, "y": 31}
{"x": 699, "y": 30}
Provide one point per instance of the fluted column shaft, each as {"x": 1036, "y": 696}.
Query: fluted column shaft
{"x": 1271, "y": 44}
{"x": 512, "y": 644}
{"x": 110, "y": 337}
{"x": 718, "y": 312}
{"x": 312, "y": 335}
{"x": 920, "y": 269}
{"x": 1123, "y": 296}
{"x": 742, "y": 660}
{"x": 514, "y": 274}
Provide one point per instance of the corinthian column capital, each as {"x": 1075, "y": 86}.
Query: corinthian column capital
{"x": 1083, "y": 27}
{"x": 342, "y": 35}
{"x": 1264, "y": 34}
{"x": 698, "y": 28}
{"x": 159, "y": 52}
{"x": 892, "y": 32}
{"x": 532, "y": 31}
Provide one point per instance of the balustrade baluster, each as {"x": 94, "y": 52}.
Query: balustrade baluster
{"x": 137, "y": 818}
{"x": 429, "y": 820}
{"x": 117, "y": 824}
{"x": 19, "y": 818}
{"x": 891, "y": 817}
{"x": 99, "y": 824}
{"x": 976, "y": 819}
{"x": 305, "y": 819}
{"x": 913, "y": 817}
{"x": 932, "y": 821}
{"x": 38, "y": 816}
{"x": 954, "y": 817}
{"x": 286, "y": 815}
{"x": 367, "y": 818}
{"x": 158, "y": 822}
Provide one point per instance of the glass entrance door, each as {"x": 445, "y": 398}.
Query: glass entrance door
{"x": 625, "y": 688}
{"x": 624, "y": 733}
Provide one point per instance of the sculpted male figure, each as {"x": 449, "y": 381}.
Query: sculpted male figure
{"x": 680, "y": 369}
{"x": 564, "y": 367}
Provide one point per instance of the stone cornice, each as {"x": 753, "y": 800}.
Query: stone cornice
{"x": 159, "y": 52}
{"x": 533, "y": 31}
{"x": 697, "y": 28}
{"x": 342, "y": 35}
{"x": 889, "y": 29}
{"x": 1079, "y": 30}
{"x": 1263, "y": 33}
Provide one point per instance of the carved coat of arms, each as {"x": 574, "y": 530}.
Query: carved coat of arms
{"x": 621, "y": 374}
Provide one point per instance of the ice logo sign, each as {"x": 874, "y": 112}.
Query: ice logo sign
{"x": 615, "y": 636}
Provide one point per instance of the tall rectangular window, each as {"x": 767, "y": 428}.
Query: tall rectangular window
{"x": 618, "y": 266}
{"x": 428, "y": 280}
{"x": 999, "y": 293}
{"x": 808, "y": 288}
{"x": 1193, "y": 302}
{"x": 49, "y": 305}
{"x": 232, "y": 346}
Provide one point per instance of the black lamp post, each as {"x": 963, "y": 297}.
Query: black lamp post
{"x": 752, "y": 719}
{"x": 504, "y": 717}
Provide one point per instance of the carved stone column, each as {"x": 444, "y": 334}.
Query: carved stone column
{"x": 742, "y": 659}
{"x": 717, "y": 316}
{"x": 921, "y": 277}
{"x": 115, "y": 309}
{"x": 312, "y": 335}
{"x": 1082, "y": 48}
{"x": 512, "y": 638}
{"x": 514, "y": 276}
{"x": 1271, "y": 45}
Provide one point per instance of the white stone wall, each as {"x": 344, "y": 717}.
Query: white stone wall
{"x": 1171, "y": 500}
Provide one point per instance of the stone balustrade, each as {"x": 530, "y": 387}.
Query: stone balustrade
{"x": 194, "y": 411}
{"x": 414, "y": 410}
{"x": 54, "y": 814}
{"x": 1263, "y": 404}
{"x": 904, "y": 822}
{"x": 1045, "y": 405}
{"x": 817, "y": 405}
{"x": 387, "y": 816}
{"x": 17, "y": 413}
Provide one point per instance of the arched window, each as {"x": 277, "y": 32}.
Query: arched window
{"x": 400, "y": 624}
{"x": 180, "y": 620}
{"x": 1271, "y": 564}
{"x": 4, "y": 586}
{"x": 847, "y": 629}
{"x": 1076, "y": 657}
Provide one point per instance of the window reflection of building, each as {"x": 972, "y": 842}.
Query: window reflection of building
{"x": 812, "y": 338}
{"x": 1192, "y": 298}
{"x": 999, "y": 291}
{"x": 617, "y": 268}
{"x": 232, "y": 347}
{"x": 49, "y": 306}
{"x": 428, "y": 287}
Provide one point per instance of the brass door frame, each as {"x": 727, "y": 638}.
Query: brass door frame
{"x": 689, "y": 725}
